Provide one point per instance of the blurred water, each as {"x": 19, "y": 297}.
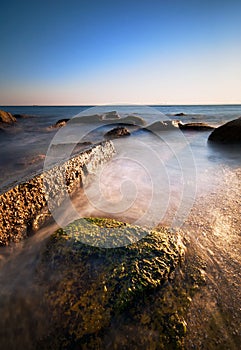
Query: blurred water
{"x": 24, "y": 146}
{"x": 155, "y": 177}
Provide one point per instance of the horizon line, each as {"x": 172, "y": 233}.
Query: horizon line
{"x": 122, "y": 104}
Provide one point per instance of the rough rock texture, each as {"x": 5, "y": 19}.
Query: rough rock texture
{"x": 6, "y": 118}
{"x": 26, "y": 207}
{"x": 101, "y": 298}
{"x": 195, "y": 126}
{"x": 117, "y": 132}
{"x": 229, "y": 133}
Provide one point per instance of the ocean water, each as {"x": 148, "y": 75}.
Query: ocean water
{"x": 157, "y": 176}
{"x": 23, "y": 147}
{"x": 149, "y": 165}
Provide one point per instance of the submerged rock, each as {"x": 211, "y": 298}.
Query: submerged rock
{"x": 165, "y": 125}
{"x": 229, "y": 133}
{"x": 179, "y": 114}
{"x": 117, "y": 132}
{"x": 195, "y": 126}
{"x": 90, "y": 290}
{"x": 110, "y": 115}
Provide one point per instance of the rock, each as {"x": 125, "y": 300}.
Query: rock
{"x": 163, "y": 125}
{"x": 117, "y": 132}
{"x": 110, "y": 115}
{"x": 195, "y": 126}
{"x": 60, "y": 123}
{"x": 229, "y": 133}
{"x": 7, "y": 118}
{"x": 93, "y": 287}
{"x": 179, "y": 114}
{"x": 22, "y": 203}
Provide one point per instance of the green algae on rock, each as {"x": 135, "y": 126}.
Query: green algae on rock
{"x": 90, "y": 288}
{"x": 103, "y": 233}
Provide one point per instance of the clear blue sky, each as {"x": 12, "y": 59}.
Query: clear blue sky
{"x": 99, "y": 52}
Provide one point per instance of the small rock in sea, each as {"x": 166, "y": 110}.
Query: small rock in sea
{"x": 195, "y": 126}
{"x": 229, "y": 133}
{"x": 117, "y": 132}
{"x": 163, "y": 125}
{"x": 179, "y": 114}
{"x": 60, "y": 123}
{"x": 6, "y": 118}
{"x": 110, "y": 115}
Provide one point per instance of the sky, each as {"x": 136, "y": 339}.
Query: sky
{"x": 90, "y": 52}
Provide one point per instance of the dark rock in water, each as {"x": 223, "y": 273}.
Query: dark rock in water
{"x": 117, "y": 132}
{"x": 110, "y": 115}
{"x": 7, "y": 118}
{"x": 229, "y": 133}
{"x": 61, "y": 122}
{"x": 179, "y": 114}
{"x": 195, "y": 126}
{"x": 163, "y": 125}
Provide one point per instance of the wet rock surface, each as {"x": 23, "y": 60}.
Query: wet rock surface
{"x": 165, "y": 125}
{"x": 117, "y": 132}
{"x": 229, "y": 133}
{"x": 60, "y": 123}
{"x": 26, "y": 206}
{"x": 6, "y": 118}
{"x": 195, "y": 126}
{"x": 122, "y": 297}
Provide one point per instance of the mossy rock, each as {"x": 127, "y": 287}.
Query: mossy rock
{"x": 91, "y": 289}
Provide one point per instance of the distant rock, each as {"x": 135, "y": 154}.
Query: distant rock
{"x": 166, "y": 125}
{"x": 179, "y": 114}
{"x": 60, "y": 123}
{"x": 117, "y": 132}
{"x": 229, "y": 133}
{"x": 110, "y": 115}
{"x": 7, "y": 118}
{"x": 195, "y": 126}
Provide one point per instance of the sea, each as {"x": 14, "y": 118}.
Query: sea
{"x": 159, "y": 175}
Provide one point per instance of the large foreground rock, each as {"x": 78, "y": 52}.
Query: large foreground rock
{"x": 6, "y": 118}
{"x": 229, "y": 133}
{"x": 93, "y": 290}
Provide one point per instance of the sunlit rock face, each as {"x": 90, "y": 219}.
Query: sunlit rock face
{"x": 27, "y": 206}
{"x": 6, "y": 118}
{"x": 229, "y": 133}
